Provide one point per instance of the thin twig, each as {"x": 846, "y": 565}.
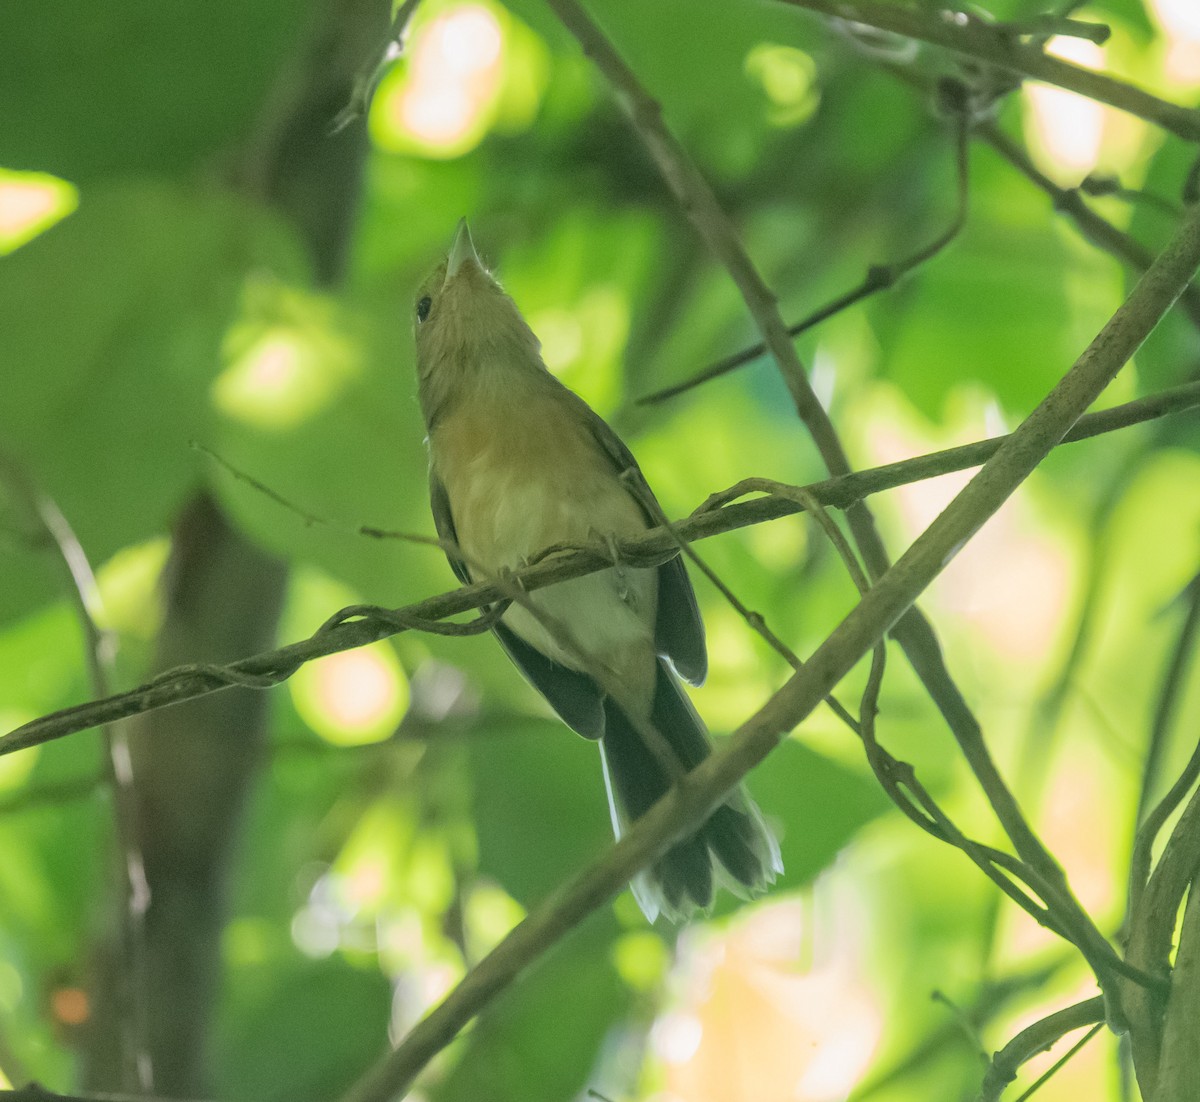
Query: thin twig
{"x": 693, "y": 798}
{"x": 1146, "y": 825}
{"x": 1060, "y": 1063}
{"x": 1051, "y": 26}
{"x": 372, "y": 624}
{"x": 137, "y": 1069}
{"x": 35, "y": 1092}
{"x": 912, "y": 631}
{"x": 1094, "y": 227}
{"x": 1151, "y": 930}
{"x": 974, "y": 38}
{"x": 756, "y": 621}
{"x": 879, "y": 277}
{"x": 368, "y": 79}
{"x": 1039, "y": 1037}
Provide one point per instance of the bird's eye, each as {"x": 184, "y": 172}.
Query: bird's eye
{"x": 423, "y": 306}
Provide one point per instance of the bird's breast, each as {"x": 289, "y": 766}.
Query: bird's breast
{"x": 523, "y": 475}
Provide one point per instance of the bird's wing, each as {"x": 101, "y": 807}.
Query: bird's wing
{"x": 443, "y": 521}
{"x": 574, "y": 696}
{"x": 678, "y": 629}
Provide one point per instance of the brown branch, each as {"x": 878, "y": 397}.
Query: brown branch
{"x": 273, "y": 667}
{"x": 100, "y": 648}
{"x": 697, "y": 793}
{"x": 973, "y": 38}
{"x": 1094, "y": 227}
{"x": 879, "y": 277}
{"x": 1039, "y": 1037}
{"x": 1179, "y": 1067}
{"x": 912, "y": 631}
{"x": 1150, "y": 937}
{"x": 1168, "y": 701}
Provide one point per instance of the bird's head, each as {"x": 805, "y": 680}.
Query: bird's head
{"x": 468, "y": 331}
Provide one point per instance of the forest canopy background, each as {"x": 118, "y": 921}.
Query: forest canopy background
{"x": 197, "y": 253}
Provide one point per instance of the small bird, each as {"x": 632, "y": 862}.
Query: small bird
{"x": 519, "y": 463}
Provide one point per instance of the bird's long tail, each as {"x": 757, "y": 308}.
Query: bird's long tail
{"x": 733, "y": 847}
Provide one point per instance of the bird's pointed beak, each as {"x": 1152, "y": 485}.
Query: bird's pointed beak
{"x": 462, "y": 250}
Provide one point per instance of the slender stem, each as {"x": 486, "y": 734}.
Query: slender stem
{"x": 1039, "y": 1037}
{"x": 879, "y": 277}
{"x": 1149, "y": 824}
{"x": 976, "y": 39}
{"x": 912, "y": 631}
{"x": 273, "y": 667}
{"x": 693, "y": 798}
{"x": 1179, "y": 1067}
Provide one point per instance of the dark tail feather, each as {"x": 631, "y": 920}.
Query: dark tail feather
{"x": 734, "y": 835}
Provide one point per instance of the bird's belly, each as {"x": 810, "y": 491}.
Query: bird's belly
{"x": 509, "y": 506}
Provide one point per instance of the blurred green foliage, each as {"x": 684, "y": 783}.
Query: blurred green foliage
{"x": 175, "y": 305}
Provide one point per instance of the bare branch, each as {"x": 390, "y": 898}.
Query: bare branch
{"x": 990, "y": 44}
{"x": 879, "y": 277}
{"x": 697, "y": 793}
{"x": 911, "y": 630}
{"x": 1168, "y": 701}
{"x": 1039, "y": 1037}
{"x": 371, "y": 624}
{"x": 100, "y": 647}
{"x": 1179, "y": 1066}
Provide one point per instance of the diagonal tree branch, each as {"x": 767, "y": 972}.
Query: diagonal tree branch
{"x": 272, "y": 667}
{"x": 697, "y": 793}
{"x": 912, "y": 631}
{"x": 997, "y": 47}
{"x": 1039, "y": 1037}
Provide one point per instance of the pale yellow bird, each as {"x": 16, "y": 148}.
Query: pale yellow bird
{"x": 519, "y": 463}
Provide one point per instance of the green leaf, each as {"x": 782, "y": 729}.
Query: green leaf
{"x": 112, "y": 325}
{"x": 540, "y": 809}
{"x": 295, "y": 1028}
{"x": 134, "y": 85}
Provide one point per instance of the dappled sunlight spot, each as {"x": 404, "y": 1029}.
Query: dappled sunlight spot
{"x": 315, "y": 932}
{"x": 129, "y": 588}
{"x": 490, "y": 913}
{"x": 788, "y": 78}
{"x": 753, "y": 1023}
{"x": 424, "y": 966}
{"x": 641, "y": 959}
{"x": 12, "y": 988}
{"x": 1063, "y": 127}
{"x": 1180, "y": 23}
{"x": 1078, "y": 826}
{"x": 561, "y": 336}
{"x": 286, "y": 357}
{"x": 441, "y": 104}
{"x": 30, "y": 203}
{"x": 583, "y": 343}
{"x": 676, "y": 1037}
{"x": 275, "y": 384}
{"x": 779, "y": 547}
{"x": 1012, "y": 582}
{"x": 248, "y": 941}
{"x": 15, "y": 768}
{"x": 1026, "y": 592}
{"x": 738, "y": 675}
{"x": 352, "y": 698}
